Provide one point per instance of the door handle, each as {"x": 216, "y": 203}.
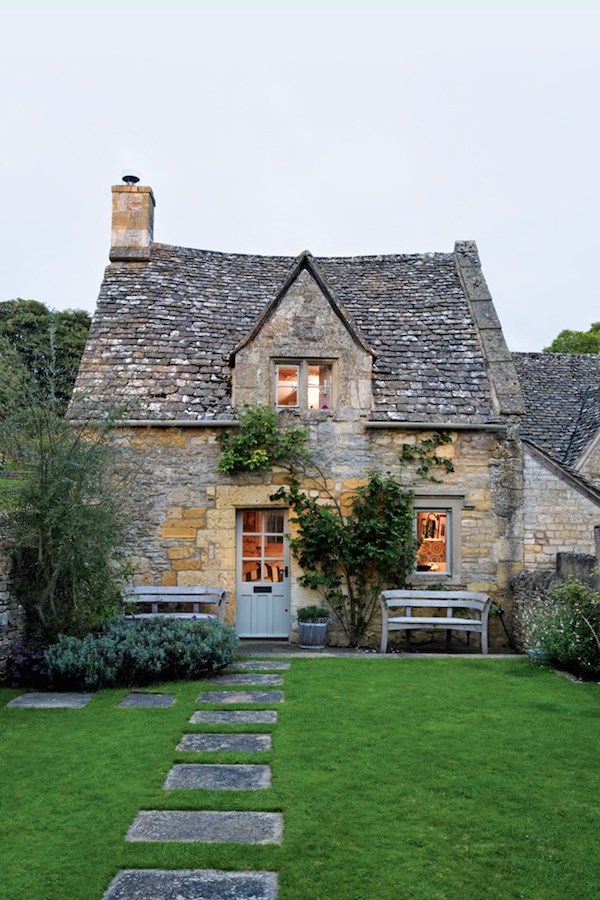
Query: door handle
{"x": 285, "y": 572}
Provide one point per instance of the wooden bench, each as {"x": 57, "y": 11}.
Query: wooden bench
{"x": 442, "y": 600}
{"x": 159, "y": 599}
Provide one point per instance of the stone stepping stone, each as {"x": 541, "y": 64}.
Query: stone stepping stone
{"x": 213, "y": 743}
{"x": 209, "y": 827}
{"x": 262, "y": 665}
{"x": 234, "y": 717}
{"x": 257, "y": 680}
{"x": 140, "y": 700}
{"x": 240, "y": 697}
{"x": 51, "y": 700}
{"x": 192, "y": 884}
{"x": 218, "y": 777}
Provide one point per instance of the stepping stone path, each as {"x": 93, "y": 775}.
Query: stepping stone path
{"x": 192, "y": 884}
{"x": 140, "y": 700}
{"x": 241, "y": 697}
{"x": 255, "y": 680}
{"x": 276, "y": 665}
{"x": 51, "y": 700}
{"x": 234, "y": 717}
{"x": 219, "y": 777}
{"x": 208, "y": 826}
{"x": 213, "y": 743}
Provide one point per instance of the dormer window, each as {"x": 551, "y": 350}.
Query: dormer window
{"x": 303, "y": 385}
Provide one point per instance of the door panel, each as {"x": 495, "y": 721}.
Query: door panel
{"x": 263, "y": 584}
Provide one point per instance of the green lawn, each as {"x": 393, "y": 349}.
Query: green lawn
{"x": 397, "y": 779}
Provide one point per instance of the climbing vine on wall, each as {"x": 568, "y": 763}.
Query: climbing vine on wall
{"x": 261, "y": 442}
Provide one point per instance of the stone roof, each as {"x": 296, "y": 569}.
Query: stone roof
{"x": 164, "y": 331}
{"x": 562, "y": 401}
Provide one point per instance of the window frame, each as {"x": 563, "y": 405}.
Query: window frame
{"x": 452, "y": 507}
{"x": 302, "y": 364}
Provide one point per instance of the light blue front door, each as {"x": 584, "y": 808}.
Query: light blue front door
{"x": 263, "y": 582}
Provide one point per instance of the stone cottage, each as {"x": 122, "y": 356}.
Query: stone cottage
{"x": 370, "y": 352}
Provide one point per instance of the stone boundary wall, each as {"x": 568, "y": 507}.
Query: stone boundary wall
{"x": 531, "y": 590}
{"x": 12, "y": 621}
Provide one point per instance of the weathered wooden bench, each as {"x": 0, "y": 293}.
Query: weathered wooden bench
{"x": 159, "y": 601}
{"x": 450, "y": 601}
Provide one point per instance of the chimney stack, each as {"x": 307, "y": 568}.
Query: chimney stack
{"x": 132, "y": 223}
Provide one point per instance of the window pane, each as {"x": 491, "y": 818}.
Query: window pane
{"x": 251, "y": 546}
{"x": 319, "y": 387}
{"x": 287, "y": 385}
{"x": 432, "y": 541}
{"x": 275, "y": 521}
{"x": 251, "y": 520}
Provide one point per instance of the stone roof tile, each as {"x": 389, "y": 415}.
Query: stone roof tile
{"x": 163, "y": 332}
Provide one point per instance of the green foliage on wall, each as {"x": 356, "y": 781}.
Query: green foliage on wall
{"x": 261, "y": 442}
{"x": 348, "y": 559}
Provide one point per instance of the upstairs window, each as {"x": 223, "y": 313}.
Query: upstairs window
{"x": 303, "y": 385}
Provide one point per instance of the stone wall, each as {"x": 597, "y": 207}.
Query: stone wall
{"x": 187, "y": 536}
{"x": 532, "y": 589}
{"x": 558, "y": 516}
{"x": 11, "y": 615}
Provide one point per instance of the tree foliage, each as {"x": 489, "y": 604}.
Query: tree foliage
{"x": 48, "y": 344}
{"x": 350, "y": 558}
{"x": 261, "y": 442}
{"x": 67, "y": 520}
{"x": 576, "y": 341}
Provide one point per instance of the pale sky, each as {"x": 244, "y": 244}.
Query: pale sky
{"x": 274, "y": 128}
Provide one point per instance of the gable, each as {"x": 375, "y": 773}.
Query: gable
{"x": 304, "y": 324}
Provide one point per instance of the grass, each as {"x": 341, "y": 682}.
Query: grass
{"x": 397, "y": 779}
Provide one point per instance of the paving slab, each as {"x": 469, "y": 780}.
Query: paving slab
{"x": 234, "y": 717}
{"x": 213, "y": 743}
{"x": 192, "y": 884}
{"x": 240, "y": 697}
{"x": 257, "y": 680}
{"x": 218, "y": 777}
{"x": 262, "y": 665}
{"x": 51, "y": 700}
{"x": 209, "y": 827}
{"x": 139, "y": 700}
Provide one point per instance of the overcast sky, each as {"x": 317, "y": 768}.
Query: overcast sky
{"x": 324, "y": 127}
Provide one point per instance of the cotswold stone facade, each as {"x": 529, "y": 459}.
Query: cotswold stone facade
{"x": 369, "y": 353}
{"x": 558, "y": 513}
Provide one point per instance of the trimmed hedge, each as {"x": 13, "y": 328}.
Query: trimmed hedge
{"x": 135, "y": 652}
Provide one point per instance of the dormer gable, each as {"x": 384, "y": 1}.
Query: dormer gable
{"x": 304, "y": 352}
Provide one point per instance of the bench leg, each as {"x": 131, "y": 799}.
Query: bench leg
{"x": 384, "y": 638}
{"x": 484, "y": 640}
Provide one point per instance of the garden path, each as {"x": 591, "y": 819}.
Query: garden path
{"x": 209, "y": 826}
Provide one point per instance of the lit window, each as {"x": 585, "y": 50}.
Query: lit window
{"x": 319, "y": 387}
{"x": 303, "y": 385}
{"x": 287, "y": 385}
{"x": 433, "y": 541}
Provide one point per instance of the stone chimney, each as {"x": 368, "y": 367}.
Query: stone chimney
{"x": 132, "y": 223}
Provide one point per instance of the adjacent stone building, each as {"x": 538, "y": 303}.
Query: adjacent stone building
{"x": 370, "y": 352}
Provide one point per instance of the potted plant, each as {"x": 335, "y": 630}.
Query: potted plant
{"x": 312, "y": 627}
